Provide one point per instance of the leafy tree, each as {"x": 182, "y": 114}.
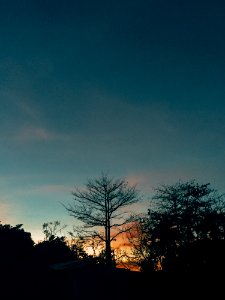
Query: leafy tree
{"x": 100, "y": 207}
{"x": 53, "y": 251}
{"x": 139, "y": 238}
{"x": 16, "y": 245}
{"x": 181, "y": 215}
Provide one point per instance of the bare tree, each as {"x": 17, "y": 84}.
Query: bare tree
{"x": 100, "y": 207}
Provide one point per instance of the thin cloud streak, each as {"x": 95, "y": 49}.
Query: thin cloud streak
{"x": 8, "y": 211}
{"x": 38, "y": 133}
{"x": 34, "y": 134}
{"x": 44, "y": 190}
{"x": 28, "y": 108}
{"x": 4, "y": 209}
{"x": 53, "y": 188}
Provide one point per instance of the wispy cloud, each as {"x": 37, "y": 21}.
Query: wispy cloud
{"x": 45, "y": 189}
{"x": 4, "y": 208}
{"x": 7, "y": 210}
{"x": 19, "y": 103}
{"x": 148, "y": 180}
{"x": 50, "y": 188}
{"x": 136, "y": 179}
{"x": 27, "y": 108}
{"x": 30, "y": 133}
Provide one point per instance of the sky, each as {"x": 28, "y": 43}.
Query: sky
{"x": 134, "y": 88}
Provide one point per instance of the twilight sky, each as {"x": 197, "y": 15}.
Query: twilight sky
{"x": 135, "y": 88}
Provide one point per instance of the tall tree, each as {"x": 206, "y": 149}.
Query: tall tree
{"x": 182, "y": 215}
{"x": 100, "y": 205}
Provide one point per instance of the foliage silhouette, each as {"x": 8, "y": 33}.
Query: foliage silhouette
{"x": 16, "y": 245}
{"x": 182, "y": 216}
{"x": 184, "y": 230}
{"x": 53, "y": 251}
{"x": 52, "y": 229}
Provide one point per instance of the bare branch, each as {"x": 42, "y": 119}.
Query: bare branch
{"x": 100, "y": 204}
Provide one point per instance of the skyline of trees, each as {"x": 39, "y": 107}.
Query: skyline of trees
{"x": 183, "y": 229}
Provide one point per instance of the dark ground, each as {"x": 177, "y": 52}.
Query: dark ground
{"x": 40, "y": 283}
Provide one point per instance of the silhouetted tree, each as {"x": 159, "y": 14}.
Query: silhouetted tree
{"x": 100, "y": 206}
{"x": 77, "y": 245}
{"x": 16, "y": 245}
{"x": 139, "y": 238}
{"x": 52, "y": 229}
{"x": 53, "y": 251}
{"x": 180, "y": 216}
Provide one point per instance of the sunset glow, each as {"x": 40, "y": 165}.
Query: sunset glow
{"x": 133, "y": 89}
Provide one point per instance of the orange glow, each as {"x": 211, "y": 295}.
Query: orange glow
{"x": 129, "y": 266}
{"x": 123, "y": 253}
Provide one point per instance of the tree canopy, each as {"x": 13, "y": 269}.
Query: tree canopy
{"x": 16, "y": 244}
{"x": 180, "y": 217}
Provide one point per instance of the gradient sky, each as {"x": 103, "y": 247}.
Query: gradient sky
{"x": 134, "y": 88}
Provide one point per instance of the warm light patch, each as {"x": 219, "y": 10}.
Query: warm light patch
{"x": 5, "y": 213}
{"x": 129, "y": 266}
{"x": 123, "y": 253}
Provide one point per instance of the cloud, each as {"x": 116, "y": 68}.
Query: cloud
{"x": 4, "y": 208}
{"x": 36, "y": 133}
{"x": 18, "y": 102}
{"x": 136, "y": 179}
{"x": 32, "y": 133}
{"x": 51, "y": 188}
{"x": 7, "y": 210}
{"x": 148, "y": 180}
{"x": 46, "y": 189}
{"x": 27, "y": 108}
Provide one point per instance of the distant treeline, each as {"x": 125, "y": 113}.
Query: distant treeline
{"x": 183, "y": 230}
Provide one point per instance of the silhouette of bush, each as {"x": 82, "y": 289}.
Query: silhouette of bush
{"x": 16, "y": 245}
{"x": 53, "y": 251}
{"x": 202, "y": 256}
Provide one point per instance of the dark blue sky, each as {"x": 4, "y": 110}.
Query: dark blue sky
{"x": 132, "y": 88}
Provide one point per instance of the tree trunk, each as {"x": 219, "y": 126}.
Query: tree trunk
{"x": 108, "y": 254}
{"x": 108, "y": 244}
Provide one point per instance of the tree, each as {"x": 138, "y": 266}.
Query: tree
{"x": 100, "y": 206}
{"x": 77, "y": 245}
{"x": 52, "y": 229}
{"x": 16, "y": 245}
{"x": 182, "y": 216}
{"x": 140, "y": 239}
{"x": 53, "y": 251}
{"x": 54, "y": 248}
